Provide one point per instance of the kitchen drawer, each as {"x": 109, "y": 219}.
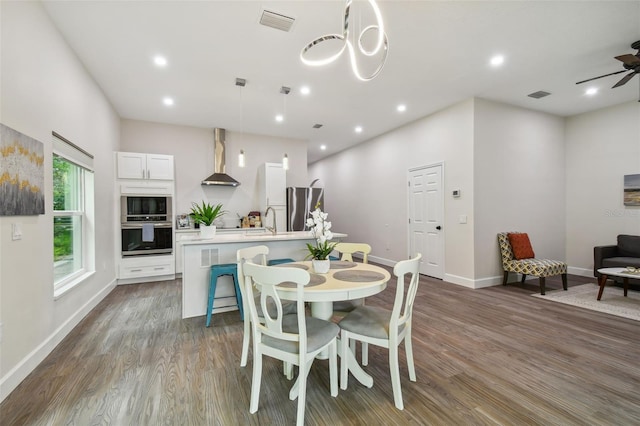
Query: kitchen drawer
{"x": 146, "y": 267}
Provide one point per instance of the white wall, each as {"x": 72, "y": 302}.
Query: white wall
{"x": 602, "y": 147}
{"x": 519, "y": 173}
{"x": 192, "y": 148}
{"x": 366, "y": 186}
{"x": 44, "y": 89}
{"x": 490, "y": 152}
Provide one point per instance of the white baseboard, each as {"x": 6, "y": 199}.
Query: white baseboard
{"x": 17, "y": 374}
{"x": 382, "y": 261}
{"x": 471, "y": 283}
{"x": 580, "y": 271}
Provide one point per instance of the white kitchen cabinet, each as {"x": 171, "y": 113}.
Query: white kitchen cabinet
{"x": 145, "y": 268}
{"x": 273, "y": 192}
{"x": 134, "y": 165}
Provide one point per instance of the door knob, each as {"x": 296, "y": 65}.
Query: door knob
{"x": 438, "y": 227}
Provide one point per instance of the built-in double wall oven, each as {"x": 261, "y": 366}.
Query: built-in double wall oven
{"x": 146, "y": 223}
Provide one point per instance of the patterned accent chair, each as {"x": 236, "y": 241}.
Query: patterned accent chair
{"x": 540, "y": 268}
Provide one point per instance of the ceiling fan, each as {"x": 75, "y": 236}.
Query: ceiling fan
{"x": 630, "y": 63}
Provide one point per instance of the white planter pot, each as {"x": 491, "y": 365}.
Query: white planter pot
{"x": 207, "y": 232}
{"x": 321, "y": 266}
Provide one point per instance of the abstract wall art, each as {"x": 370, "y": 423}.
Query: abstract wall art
{"x": 21, "y": 174}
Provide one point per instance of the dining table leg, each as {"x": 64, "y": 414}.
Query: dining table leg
{"x": 324, "y": 310}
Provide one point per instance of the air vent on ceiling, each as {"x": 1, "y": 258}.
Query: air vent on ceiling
{"x": 539, "y": 94}
{"x": 276, "y": 20}
{"x": 317, "y": 126}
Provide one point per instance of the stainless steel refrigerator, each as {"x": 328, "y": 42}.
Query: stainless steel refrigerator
{"x": 300, "y": 203}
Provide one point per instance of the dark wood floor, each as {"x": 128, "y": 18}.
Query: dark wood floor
{"x": 495, "y": 356}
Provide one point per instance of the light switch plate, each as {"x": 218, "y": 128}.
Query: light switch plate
{"x": 16, "y": 231}
{"x": 462, "y": 218}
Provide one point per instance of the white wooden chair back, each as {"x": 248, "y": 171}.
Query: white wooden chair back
{"x": 348, "y": 249}
{"x": 264, "y": 279}
{"x": 402, "y": 312}
{"x": 255, "y": 253}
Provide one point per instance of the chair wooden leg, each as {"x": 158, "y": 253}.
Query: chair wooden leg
{"x": 255, "y": 382}
{"x": 302, "y": 393}
{"x": 245, "y": 342}
{"x": 564, "y": 281}
{"x": 408, "y": 348}
{"x": 505, "y": 278}
{"x": 394, "y": 370}
{"x": 542, "y": 286}
{"x": 365, "y": 353}
{"x": 287, "y": 370}
{"x": 524, "y": 277}
{"x": 344, "y": 347}
{"x": 333, "y": 368}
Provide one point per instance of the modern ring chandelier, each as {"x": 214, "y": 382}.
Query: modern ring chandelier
{"x": 381, "y": 43}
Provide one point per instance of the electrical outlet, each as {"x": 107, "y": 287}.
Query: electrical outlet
{"x": 16, "y": 231}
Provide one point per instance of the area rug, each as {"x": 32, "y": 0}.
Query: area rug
{"x": 612, "y": 302}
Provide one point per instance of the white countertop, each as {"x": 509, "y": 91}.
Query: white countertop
{"x": 253, "y": 236}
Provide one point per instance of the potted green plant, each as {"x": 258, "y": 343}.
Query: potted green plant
{"x": 321, "y": 230}
{"x": 205, "y": 214}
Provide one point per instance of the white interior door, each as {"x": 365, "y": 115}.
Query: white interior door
{"x": 425, "y": 218}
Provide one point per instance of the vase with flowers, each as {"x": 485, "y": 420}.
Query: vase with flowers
{"x": 321, "y": 230}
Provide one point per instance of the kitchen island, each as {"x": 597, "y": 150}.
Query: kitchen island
{"x": 199, "y": 254}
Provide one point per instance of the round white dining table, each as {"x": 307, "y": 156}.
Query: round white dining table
{"x": 344, "y": 281}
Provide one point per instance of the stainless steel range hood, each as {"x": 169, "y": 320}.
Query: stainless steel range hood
{"x": 219, "y": 177}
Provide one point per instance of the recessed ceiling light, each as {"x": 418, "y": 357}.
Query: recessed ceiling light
{"x": 305, "y": 90}
{"x": 497, "y": 60}
{"x": 591, "y": 91}
{"x": 168, "y": 101}
{"x": 160, "y": 61}
{"x": 279, "y": 118}
{"x": 323, "y": 147}
{"x": 401, "y": 108}
{"x": 358, "y": 129}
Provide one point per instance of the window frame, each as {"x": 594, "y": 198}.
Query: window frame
{"x": 84, "y": 210}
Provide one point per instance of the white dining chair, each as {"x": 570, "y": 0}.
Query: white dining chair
{"x": 385, "y": 328}
{"x": 293, "y": 338}
{"x": 259, "y": 254}
{"x": 343, "y": 307}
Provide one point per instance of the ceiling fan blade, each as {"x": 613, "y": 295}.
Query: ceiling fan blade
{"x": 624, "y": 79}
{"x": 606, "y": 75}
{"x": 628, "y": 59}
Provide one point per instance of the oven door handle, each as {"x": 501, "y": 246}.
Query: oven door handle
{"x": 139, "y": 225}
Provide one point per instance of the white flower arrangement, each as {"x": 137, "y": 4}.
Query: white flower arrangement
{"x": 320, "y": 228}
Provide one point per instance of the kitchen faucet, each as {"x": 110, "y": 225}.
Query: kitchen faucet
{"x": 273, "y": 229}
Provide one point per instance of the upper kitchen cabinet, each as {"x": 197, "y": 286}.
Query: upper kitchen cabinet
{"x": 273, "y": 185}
{"x": 134, "y": 165}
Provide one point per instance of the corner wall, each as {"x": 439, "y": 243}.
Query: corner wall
{"x": 602, "y": 146}
{"x": 366, "y": 187}
{"x": 45, "y": 88}
{"x": 519, "y": 175}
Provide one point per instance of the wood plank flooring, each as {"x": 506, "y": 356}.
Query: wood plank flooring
{"x": 494, "y": 356}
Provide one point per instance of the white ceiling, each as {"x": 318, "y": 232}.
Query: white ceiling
{"x": 439, "y": 54}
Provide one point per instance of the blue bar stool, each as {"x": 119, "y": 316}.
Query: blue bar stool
{"x": 279, "y": 261}
{"x": 218, "y": 271}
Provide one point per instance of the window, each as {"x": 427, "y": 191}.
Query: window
{"x": 73, "y": 236}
